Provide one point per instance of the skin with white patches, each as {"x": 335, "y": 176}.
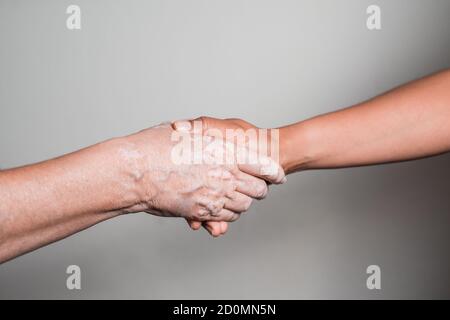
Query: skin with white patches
{"x": 194, "y": 191}
{"x": 48, "y": 201}
{"x": 266, "y": 168}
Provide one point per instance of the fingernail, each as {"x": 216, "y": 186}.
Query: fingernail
{"x": 283, "y": 180}
{"x": 182, "y": 125}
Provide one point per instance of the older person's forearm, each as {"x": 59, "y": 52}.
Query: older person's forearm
{"x": 48, "y": 201}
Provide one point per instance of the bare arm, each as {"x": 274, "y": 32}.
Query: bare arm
{"x": 409, "y": 122}
{"x": 51, "y": 200}
{"x": 48, "y": 201}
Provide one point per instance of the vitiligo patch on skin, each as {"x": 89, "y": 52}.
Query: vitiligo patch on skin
{"x": 199, "y": 190}
{"x": 219, "y": 173}
{"x": 213, "y": 149}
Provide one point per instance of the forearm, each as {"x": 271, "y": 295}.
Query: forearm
{"x": 409, "y": 122}
{"x": 48, "y": 201}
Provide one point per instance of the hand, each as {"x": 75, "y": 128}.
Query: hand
{"x": 206, "y": 124}
{"x": 48, "y": 201}
{"x": 198, "y": 192}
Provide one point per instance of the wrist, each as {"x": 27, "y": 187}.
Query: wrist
{"x": 297, "y": 147}
{"x": 129, "y": 165}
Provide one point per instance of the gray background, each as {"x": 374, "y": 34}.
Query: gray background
{"x": 272, "y": 62}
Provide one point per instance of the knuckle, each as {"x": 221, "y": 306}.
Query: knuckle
{"x": 234, "y": 217}
{"x": 216, "y": 207}
{"x": 225, "y": 215}
{"x": 201, "y": 214}
{"x": 205, "y": 121}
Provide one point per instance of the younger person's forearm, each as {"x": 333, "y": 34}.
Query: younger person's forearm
{"x": 409, "y": 122}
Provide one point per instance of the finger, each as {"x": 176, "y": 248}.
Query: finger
{"x": 210, "y": 205}
{"x": 197, "y": 126}
{"x": 251, "y": 161}
{"x": 213, "y": 227}
{"x": 194, "y": 225}
{"x": 182, "y": 125}
{"x": 202, "y": 214}
{"x": 249, "y": 185}
{"x": 262, "y": 167}
{"x": 224, "y": 215}
{"x": 238, "y": 202}
{"x": 201, "y": 124}
{"x": 222, "y": 124}
{"x": 224, "y": 227}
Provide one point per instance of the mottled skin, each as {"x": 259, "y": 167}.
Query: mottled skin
{"x": 275, "y": 175}
{"x": 48, "y": 201}
{"x": 214, "y": 191}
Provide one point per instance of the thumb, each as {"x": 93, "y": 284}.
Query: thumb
{"x": 202, "y": 124}
{"x": 182, "y": 125}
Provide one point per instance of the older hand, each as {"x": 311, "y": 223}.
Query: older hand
{"x": 206, "y": 190}
{"x": 259, "y": 140}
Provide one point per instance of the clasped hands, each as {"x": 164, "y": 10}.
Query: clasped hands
{"x": 210, "y": 184}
